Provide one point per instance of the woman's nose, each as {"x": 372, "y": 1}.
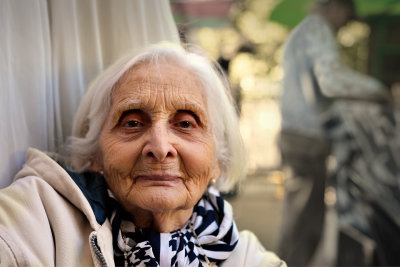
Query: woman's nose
{"x": 158, "y": 146}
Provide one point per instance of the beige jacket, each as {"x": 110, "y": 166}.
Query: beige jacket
{"x": 45, "y": 220}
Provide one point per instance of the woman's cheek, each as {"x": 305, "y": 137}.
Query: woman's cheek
{"x": 202, "y": 163}
{"x": 112, "y": 149}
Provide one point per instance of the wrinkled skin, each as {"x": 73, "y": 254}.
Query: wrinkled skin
{"x": 156, "y": 146}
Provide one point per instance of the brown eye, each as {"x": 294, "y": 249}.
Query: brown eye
{"x": 185, "y": 119}
{"x": 132, "y": 119}
{"x": 184, "y": 124}
{"x": 132, "y": 124}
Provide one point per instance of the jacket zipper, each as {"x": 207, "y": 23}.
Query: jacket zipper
{"x": 97, "y": 251}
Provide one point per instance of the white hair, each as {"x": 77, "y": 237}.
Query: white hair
{"x": 81, "y": 147}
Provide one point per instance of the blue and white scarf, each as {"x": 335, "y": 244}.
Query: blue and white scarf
{"x": 212, "y": 222}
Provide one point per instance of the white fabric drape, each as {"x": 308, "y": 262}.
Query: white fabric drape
{"x": 50, "y": 50}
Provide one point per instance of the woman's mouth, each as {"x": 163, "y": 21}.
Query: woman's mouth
{"x": 158, "y": 180}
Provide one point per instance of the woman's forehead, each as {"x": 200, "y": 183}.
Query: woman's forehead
{"x": 164, "y": 81}
{"x": 162, "y": 72}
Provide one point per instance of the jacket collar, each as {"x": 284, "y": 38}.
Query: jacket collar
{"x": 94, "y": 188}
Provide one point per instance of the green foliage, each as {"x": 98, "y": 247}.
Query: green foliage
{"x": 253, "y": 45}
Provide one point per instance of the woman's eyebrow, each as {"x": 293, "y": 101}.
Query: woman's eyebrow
{"x": 190, "y": 105}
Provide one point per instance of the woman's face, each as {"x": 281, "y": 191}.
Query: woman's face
{"x": 156, "y": 145}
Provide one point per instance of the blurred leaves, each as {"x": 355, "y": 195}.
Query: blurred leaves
{"x": 257, "y": 70}
{"x": 291, "y": 12}
{"x": 353, "y": 40}
{"x": 253, "y": 45}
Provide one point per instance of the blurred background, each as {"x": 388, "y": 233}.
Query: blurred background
{"x": 70, "y": 42}
{"x": 246, "y": 37}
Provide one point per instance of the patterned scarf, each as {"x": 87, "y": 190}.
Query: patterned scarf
{"x": 209, "y": 235}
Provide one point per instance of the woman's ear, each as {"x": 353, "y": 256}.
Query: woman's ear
{"x": 95, "y": 165}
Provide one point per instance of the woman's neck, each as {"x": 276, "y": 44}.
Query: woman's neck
{"x": 162, "y": 222}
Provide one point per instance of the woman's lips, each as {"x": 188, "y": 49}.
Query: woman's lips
{"x": 160, "y": 180}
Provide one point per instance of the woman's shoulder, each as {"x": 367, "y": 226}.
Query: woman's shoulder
{"x": 42, "y": 205}
{"x": 43, "y": 182}
{"x": 250, "y": 252}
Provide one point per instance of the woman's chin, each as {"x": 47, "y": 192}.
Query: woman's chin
{"x": 161, "y": 198}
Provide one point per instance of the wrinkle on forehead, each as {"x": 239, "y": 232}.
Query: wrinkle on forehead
{"x": 161, "y": 92}
{"x": 158, "y": 72}
{"x": 159, "y": 77}
{"x": 147, "y": 87}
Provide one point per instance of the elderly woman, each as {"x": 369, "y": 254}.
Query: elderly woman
{"x": 154, "y": 139}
